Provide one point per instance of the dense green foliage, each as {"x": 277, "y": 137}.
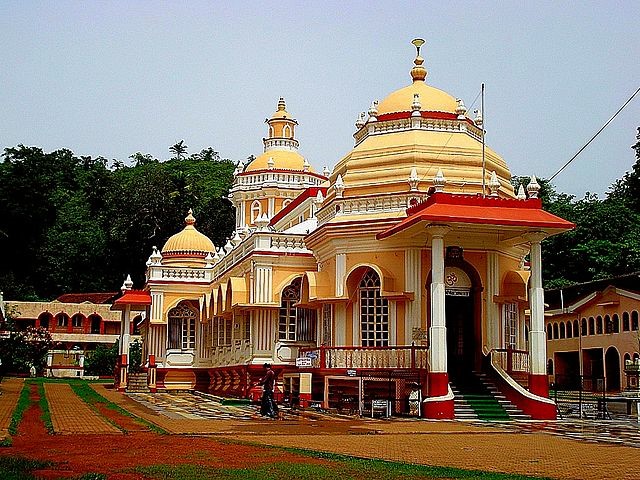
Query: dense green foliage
{"x": 102, "y": 361}
{"x": 22, "y": 349}
{"x": 606, "y": 240}
{"x": 73, "y": 224}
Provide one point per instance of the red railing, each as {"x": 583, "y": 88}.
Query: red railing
{"x": 412, "y": 356}
{"x": 511, "y": 360}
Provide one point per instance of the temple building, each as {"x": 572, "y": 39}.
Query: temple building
{"x": 398, "y": 276}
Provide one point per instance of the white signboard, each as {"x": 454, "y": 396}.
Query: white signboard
{"x": 304, "y": 362}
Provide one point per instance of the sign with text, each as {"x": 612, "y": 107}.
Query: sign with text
{"x": 304, "y": 362}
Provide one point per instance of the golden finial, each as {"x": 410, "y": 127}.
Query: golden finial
{"x": 281, "y": 105}
{"x": 189, "y": 219}
{"x": 418, "y": 72}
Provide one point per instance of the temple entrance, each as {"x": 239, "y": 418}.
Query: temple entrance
{"x": 460, "y": 335}
{"x": 460, "y": 322}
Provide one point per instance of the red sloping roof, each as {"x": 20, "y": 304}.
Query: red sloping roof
{"x": 474, "y": 209}
{"x": 96, "y": 297}
{"x": 309, "y": 192}
{"x": 132, "y": 297}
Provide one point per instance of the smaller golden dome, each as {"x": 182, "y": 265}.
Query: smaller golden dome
{"x": 282, "y": 110}
{"x": 278, "y": 160}
{"x": 189, "y": 241}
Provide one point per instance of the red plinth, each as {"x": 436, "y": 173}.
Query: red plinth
{"x": 539, "y": 385}
{"x": 438, "y": 387}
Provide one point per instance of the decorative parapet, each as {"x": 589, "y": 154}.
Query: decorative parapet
{"x": 380, "y": 127}
{"x": 368, "y": 205}
{"x": 189, "y": 275}
{"x": 262, "y": 241}
{"x": 276, "y": 179}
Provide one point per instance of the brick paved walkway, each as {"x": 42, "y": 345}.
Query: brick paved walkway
{"x": 70, "y": 414}
{"x": 10, "y": 389}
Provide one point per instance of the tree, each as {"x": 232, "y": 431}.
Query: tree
{"x": 179, "y": 150}
{"x": 102, "y": 361}
{"x": 21, "y": 350}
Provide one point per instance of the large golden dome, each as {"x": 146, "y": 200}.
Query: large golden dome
{"x": 432, "y": 99}
{"x": 189, "y": 241}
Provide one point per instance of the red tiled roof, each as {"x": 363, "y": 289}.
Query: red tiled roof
{"x": 132, "y": 297}
{"x": 96, "y": 297}
{"x": 474, "y": 209}
{"x": 309, "y": 192}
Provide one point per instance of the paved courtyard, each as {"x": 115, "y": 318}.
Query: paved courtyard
{"x": 568, "y": 449}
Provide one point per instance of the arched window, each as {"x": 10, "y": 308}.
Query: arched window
{"x": 182, "y": 327}
{"x": 136, "y": 323}
{"x": 635, "y": 356}
{"x": 76, "y": 320}
{"x": 599, "y": 325}
{"x": 374, "y": 312}
{"x": 625, "y": 322}
{"x": 286, "y": 202}
{"x": 616, "y": 323}
{"x": 569, "y": 329}
{"x": 295, "y": 323}
{"x": 608, "y": 325}
{"x": 256, "y": 210}
{"x": 94, "y": 323}
{"x": 583, "y": 329}
{"x": 62, "y": 320}
{"x": 286, "y": 131}
{"x": 45, "y": 320}
{"x": 555, "y": 331}
{"x": 550, "y": 367}
{"x": 576, "y": 328}
{"x": 627, "y": 358}
{"x": 562, "y": 330}
{"x": 549, "y": 332}
{"x": 634, "y": 320}
{"x": 592, "y": 326}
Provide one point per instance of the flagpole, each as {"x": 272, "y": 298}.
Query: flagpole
{"x": 484, "y": 166}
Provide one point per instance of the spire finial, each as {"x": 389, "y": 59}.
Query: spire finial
{"x": 190, "y": 219}
{"x": 281, "y": 105}
{"x": 418, "y": 72}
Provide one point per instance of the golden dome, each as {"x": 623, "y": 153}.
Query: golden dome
{"x": 189, "y": 241}
{"x": 431, "y": 99}
{"x": 282, "y": 160}
{"x": 281, "y": 112}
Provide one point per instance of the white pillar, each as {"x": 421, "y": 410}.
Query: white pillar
{"x": 537, "y": 338}
{"x": 125, "y": 327}
{"x": 438, "y": 329}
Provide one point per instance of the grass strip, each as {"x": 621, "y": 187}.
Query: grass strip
{"x": 19, "y": 468}
{"x": 44, "y": 408}
{"x": 337, "y": 466}
{"x": 91, "y": 397}
{"x": 23, "y": 403}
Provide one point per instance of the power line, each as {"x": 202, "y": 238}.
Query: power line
{"x": 595, "y": 135}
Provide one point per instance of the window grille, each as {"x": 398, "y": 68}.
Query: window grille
{"x": 295, "y": 323}
{"x": 374, "y": 312}
{"x": 182, "y": 328}
{"x": 327, "y": 320}
{"x": 510, "y": 324}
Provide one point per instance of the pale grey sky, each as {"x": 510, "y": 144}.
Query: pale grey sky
{"x": 112, "y": 78}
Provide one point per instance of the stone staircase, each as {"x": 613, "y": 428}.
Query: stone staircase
{"x": 137, "y": 383}
{"x": 477, "y": 398}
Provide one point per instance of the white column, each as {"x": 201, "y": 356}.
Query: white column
{"x": 537, "y": 338}
{"x": 341, "y": 271}
{"x": 492, "y": 309}
{"x": 125, "y": 328}
{"x": 438, "y": 329}
{"x": 412, "y": 283}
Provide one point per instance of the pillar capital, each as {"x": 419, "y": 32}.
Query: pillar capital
{"x": 535, "y": 237}
{"x": 437, "y": 230}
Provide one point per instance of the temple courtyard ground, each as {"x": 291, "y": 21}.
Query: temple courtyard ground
{"x": 74, "y": 429}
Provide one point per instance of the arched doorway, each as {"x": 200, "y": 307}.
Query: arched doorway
{"x": 461, "y": 331}
{"x": 612, "y": 367}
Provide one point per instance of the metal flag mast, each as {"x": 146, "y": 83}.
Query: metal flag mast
{"x": 484, "y": 166}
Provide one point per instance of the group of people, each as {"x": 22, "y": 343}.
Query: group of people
{"x": 268, "y": 405}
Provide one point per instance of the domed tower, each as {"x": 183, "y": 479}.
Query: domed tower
{"x": 274, "y": 178}
{"x": 416, "y": 138}
{"x": 187, "y": 248}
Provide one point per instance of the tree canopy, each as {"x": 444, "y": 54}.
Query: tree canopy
{"x": 72, "y": 224}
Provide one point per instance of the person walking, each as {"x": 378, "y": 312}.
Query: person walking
{"x": 268, "y": 407}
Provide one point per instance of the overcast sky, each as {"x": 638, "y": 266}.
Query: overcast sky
{"x": 113, "y": 78}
